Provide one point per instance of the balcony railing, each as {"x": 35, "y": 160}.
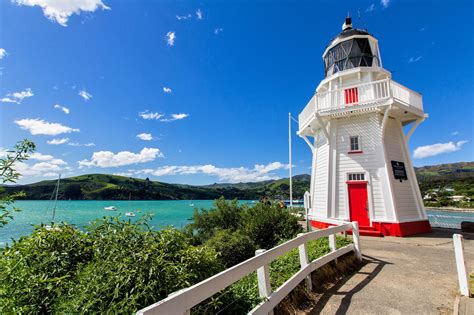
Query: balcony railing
{"x": 357, "y": 96}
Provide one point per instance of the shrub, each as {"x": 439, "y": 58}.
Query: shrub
{"x": 269, "y": 224}
{"x": 225, "y": 215}
{"x": 36, "y": 270}
{"x": 233, "y": 246}
{"x": 134, "y": 267}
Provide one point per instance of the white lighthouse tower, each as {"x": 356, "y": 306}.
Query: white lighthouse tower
{"x": 361, "y": 168}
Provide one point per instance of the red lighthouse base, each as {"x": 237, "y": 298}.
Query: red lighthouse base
{"x": 387, "y": 229}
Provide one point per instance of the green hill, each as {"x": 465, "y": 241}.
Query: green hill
{"x": 458, "y": 176}
{"x": 113, "y": 187}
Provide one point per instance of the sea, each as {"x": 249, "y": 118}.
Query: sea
{"x": 165, "y": 213}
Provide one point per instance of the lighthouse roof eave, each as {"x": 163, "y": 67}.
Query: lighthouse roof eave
{"x": 352, "y": 71}
{"x": 348, "y": 36}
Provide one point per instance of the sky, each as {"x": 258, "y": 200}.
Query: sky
{"x": 199, "y": 92}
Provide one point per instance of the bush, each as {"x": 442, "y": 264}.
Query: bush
{"x": 225, "y": 215}
{"x": 118, "y": 267}
{"x": 265, "y": 223}
{"x": 269, "y": 224}
{"x": 233, "y": 246}
{"x": 36, "y": 270}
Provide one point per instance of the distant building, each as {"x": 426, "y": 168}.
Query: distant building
{"x": 361, "y": 169}
{"x": 459, "y": 198}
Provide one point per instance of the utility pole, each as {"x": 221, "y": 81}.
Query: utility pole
{"x": 289, "y": 160}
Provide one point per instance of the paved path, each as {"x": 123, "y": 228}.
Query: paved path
{"x": 415, "y": 275}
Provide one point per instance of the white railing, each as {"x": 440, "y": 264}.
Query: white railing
{"x": 406, "y": 96}
{"x": 463, "y": 276}
{"x": 446, "y": 221}
{"x": 182, "y": 301}
{"x": 359, "y": 95}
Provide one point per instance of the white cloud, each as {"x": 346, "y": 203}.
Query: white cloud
{"x": 3, "y": 53}
{"x": 218, "y": 30}
{"x": 199, "y": 14}
{"x": 414, "y": 59}
{"x": 58, "y": 141}
{"x": 455, "y": 133}
{"x": 150, "y": 115}
{"x": 86, "y": 96}
{"x": 77, "y": 144}
{"x": 175, "y": 117}
{"x": 64, "y": 109}
{"x": 46, "y": 166}
{"x": 370, "y": 8}
{"x": 170, "y": 38}
{"x": 40, "y": 127}
{"x": 183, "y": 17}
{"x": 17, "y": 97}
{"x": 109, "y": 159}
{"x": 145, "y": 136}
{"x": 385, "y": 3}
{"x": 233, "y": 175}
{"x": 60, "y": 11}
{"x": 437, "y": 149}
{"x": 167, "y": 90}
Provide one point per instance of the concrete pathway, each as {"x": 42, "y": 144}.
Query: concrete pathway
{"x": 414, "y": 275}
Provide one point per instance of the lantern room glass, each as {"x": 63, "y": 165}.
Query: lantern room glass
{"x": 349, "y": 54}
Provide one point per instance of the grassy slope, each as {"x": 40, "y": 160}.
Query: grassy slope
{"x": 459, "y": 176}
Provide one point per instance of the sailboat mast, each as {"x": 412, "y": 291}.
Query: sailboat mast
{"x": 56, "y": 197}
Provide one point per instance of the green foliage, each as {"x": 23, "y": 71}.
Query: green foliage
{"x": 225, "y": 215}
{"x": 117, "y": 267}
{"x": 36, "y": 270}
{"x": 265, "y": 223}
{"x": 233, "y": 246}
{"x": 269, "y": 224}
{"x": 8, "y": 174}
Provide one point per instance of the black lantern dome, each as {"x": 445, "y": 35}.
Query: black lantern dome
{"x": 355, "y": 51}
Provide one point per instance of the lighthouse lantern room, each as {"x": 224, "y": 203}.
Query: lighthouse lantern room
{"x": 354, "y": 125}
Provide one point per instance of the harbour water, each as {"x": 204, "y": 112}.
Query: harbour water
{"x": 81, "y": 212}
{"x": 165, "y": 213}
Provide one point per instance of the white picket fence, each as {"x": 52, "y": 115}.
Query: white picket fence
{"x": 182, "y": 301}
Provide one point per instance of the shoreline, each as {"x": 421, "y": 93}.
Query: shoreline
{"x": 450, "y": 209}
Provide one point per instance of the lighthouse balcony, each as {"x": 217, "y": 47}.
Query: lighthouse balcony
{"x": 406, "y": 104}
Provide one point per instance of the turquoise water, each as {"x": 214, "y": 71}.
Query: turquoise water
{"x": 81, "y": 212}
{"x": 165, "y": 213}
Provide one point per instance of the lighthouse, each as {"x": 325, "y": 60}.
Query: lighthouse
{"x": 357, "y": 125}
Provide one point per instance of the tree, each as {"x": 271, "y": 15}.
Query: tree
{"x": 8, "y": 174}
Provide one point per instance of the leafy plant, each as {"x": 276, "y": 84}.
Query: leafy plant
{"x": 233, "y": 246}
{"x": 8, "y": 174}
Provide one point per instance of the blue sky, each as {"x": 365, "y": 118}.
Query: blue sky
{"x": 199, "y": 92}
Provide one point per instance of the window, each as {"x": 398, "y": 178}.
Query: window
{"x": 349, "y": 54}
{"x": 355, "y": 176}
{"x": 355, "y": 146}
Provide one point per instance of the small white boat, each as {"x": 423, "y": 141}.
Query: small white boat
{"x": 130, "y": 214}
{"x": 110, "y": 208}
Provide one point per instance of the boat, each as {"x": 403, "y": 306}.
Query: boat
{"x": 110, "y": 208}
{"x": 130, "y": 214}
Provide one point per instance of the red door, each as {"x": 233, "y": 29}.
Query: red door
{"x": 358, "y": 203}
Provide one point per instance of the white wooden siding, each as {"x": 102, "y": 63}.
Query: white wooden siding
{"x": 403, "y": 192}
{"x": 368, "y": 129}
{"x": 321, "y": 171}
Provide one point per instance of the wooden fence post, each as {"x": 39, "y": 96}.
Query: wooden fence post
{"x": 332, "y": 244}
{"x": 304, "y": 261}
{"x": 461, "y": 264}
{"x": 356, "y": 239}
{"x": 263, "y": 277}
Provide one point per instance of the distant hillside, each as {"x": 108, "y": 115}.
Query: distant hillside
{"x": 112, "y": 187}
{"x": 459, "y": 176}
